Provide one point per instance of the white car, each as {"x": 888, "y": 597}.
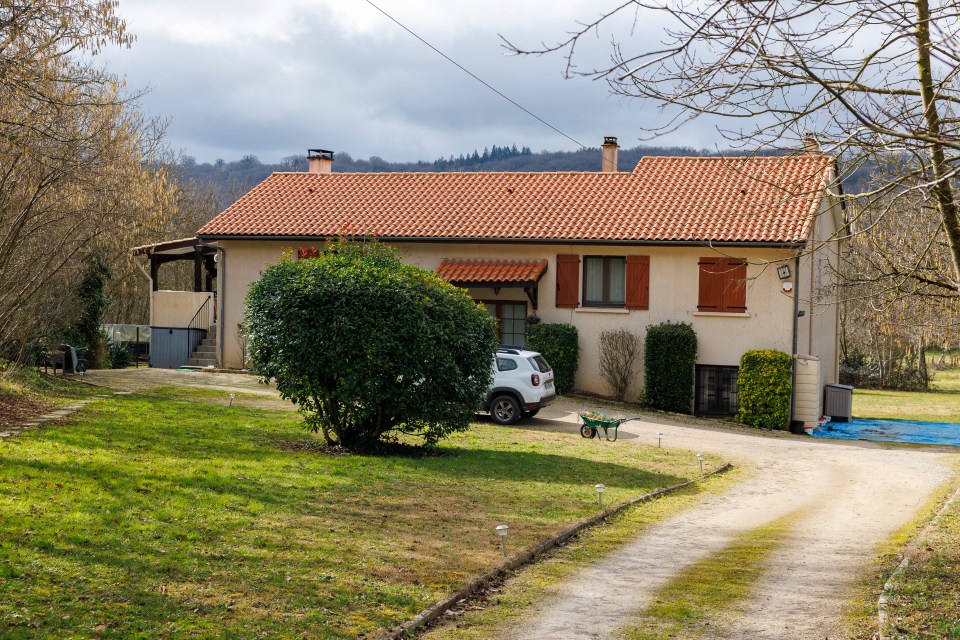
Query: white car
{"x": 522, "y": 385}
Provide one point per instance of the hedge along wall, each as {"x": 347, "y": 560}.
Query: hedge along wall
{"x": 560, "y": 345}
{"x": 669, "y": 361}
{"x": 765, "y": 387}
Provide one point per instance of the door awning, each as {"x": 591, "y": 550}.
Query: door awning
{"x": 496, "y": 274}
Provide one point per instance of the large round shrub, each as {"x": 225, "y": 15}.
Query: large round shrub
{"x": 669, "y": 363}
{"x": 366, "y": 345}
{"x": 764, "y": 382}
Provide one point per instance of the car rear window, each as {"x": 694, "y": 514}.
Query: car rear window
{"x": 506, "y": 364}
{"x": 539, "y": 363}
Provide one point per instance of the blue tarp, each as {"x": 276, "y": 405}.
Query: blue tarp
{"x": 892, "y": 431}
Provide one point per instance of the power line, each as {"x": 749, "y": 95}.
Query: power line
{"x": 474, "y": 76}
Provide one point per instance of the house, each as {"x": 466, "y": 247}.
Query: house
{"x": 742, "y": 248}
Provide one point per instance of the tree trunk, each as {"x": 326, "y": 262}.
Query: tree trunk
{"x": 943, "y": 192}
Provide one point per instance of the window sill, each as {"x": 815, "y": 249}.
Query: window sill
{"x": 722, "y": 314}
{"x": 602, "y": 310}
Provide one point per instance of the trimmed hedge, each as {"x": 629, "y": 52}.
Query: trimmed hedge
{"x": 560, "y": 345}
{"x": 765, "y": 385}
{"x": 669, "y": 361}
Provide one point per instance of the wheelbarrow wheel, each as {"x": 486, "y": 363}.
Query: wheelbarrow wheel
{"x": 587, "y": 431}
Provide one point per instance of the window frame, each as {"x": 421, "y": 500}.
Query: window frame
{"x": 498, "y": 315}
{"x": 726, "y": 400}
{"x": 605, "y": 283}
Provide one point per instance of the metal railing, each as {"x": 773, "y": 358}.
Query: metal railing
{"x": 197, "y": 328}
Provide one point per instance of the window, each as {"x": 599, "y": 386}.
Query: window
{"x": 506, "y": 364}
{"x": 723, "y": 285}
{"x": 717, "y": 393}
{"x": 604, "y": 281}
{"x": 511, "y": 322}
{"x": 608, "y": 281}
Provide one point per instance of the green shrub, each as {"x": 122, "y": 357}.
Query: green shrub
{"x": 119, "y": 356}
{"x": 765, "y": 386}
{"x": 366, "y": 345}
{"x": 560, "y": 345}
{"x": 670, "y": 358}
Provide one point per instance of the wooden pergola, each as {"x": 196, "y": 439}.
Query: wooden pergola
{"x": 202, "y": 254}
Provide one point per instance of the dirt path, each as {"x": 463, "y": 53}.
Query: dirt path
{"x": 851, "y": 496}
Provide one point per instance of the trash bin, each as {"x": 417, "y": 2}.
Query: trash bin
{"x": 838, "y": 402}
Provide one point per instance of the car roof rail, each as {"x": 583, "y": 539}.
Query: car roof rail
{"x": 506, "y": 348}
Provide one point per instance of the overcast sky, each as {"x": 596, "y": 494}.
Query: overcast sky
{"x": 273, "y": 78}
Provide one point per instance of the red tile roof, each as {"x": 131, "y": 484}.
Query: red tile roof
{"x": 665, "y": 199}
{"x": 466, "y": 272}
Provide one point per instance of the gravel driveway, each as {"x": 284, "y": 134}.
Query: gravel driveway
{"x": 852, "y": 496}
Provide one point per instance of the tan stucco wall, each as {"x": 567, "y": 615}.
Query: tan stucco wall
{"x": 176, "y": 308}
{"x": 674, "y": 284}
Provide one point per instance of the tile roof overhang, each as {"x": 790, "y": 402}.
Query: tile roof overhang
{"x": 492, "y": 273}
{"x": 766, "y": 201}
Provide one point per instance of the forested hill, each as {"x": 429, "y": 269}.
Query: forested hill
{"x": 234, "y": 178}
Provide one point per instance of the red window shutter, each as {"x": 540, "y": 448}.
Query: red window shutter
{"x": 568, "y": 281}
{"x": 711, "y": 285}
{"x": 638, "y": 282}
{"x": 735, "y": 285}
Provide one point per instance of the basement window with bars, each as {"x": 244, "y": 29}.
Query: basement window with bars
{"x": 716, "y": 391}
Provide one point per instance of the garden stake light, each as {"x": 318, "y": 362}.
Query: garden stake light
{"x": 700, "y": 458}
{"x": 599, "y": 488}
{"x": 502, "y": 530}
{"x": 659, "y": 437}
{"x": 232, "y": 396}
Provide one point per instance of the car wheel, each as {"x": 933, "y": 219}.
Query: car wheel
{"x": 504, "y": 410}
{"x": 530, "y": 414}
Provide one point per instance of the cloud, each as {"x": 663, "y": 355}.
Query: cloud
{"x": 272, "y": 79}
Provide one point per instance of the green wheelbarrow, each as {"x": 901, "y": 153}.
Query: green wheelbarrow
{"x": 594, "y": 421}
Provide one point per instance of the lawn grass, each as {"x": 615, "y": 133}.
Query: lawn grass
{"x": 941, "y": 404}
{"x": 171, "y": 514}
{"x": 26, "y": 392}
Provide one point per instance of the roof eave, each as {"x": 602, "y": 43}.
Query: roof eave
{"x": 771, "y": 244}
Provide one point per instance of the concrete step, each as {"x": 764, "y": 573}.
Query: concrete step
{"x": 206, "y": 348}
{"x": 201, "y": 362}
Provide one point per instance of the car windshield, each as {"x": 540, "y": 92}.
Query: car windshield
{"x": 539, "y": 363}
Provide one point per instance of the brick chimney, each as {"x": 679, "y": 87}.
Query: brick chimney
{"x": 319, "y": 161}
{"x": 609, "y": 155}
{"x": 810, "y": 143}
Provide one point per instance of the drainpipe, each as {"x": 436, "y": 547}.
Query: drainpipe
{"x": 222, "y": 285}
{"x": 796, "y": 337}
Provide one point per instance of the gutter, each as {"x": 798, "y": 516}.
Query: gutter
{"x": 547, "y": 241}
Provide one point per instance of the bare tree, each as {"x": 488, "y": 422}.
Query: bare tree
{"x": 77, "y": 161}
{"x": 893, "y": 305}
{"x": 869, "y": 80}
{"x": 619, "y": 350}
